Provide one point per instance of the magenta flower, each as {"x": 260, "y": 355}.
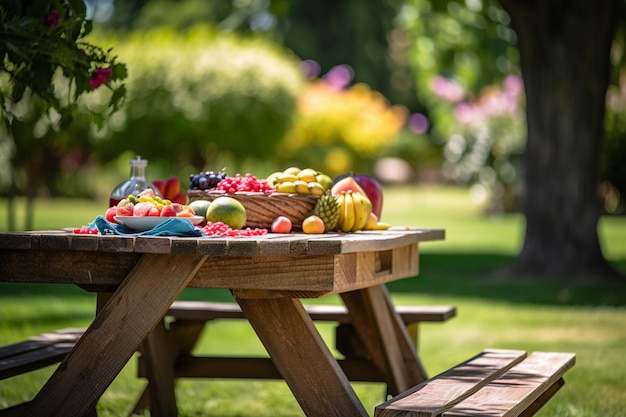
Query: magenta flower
{"x": 51, "y": 19}
{"x": 100, "y": 76}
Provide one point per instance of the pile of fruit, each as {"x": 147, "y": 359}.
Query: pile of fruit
{"x": 349, "y": 203}
{"x": 305, "y": 181}
{"x": 346, "y": 204}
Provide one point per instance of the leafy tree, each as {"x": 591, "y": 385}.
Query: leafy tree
{"x": 203, "y": 96}
{"x": 46, "y": 65}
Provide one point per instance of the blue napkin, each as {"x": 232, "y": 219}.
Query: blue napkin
{"x": 171, "y": 227}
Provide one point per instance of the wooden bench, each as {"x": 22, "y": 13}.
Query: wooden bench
{"x": 35, "y": 353}
{"x": 346, "y": 342}
{"x": 190, "y": 317}
{"x": 493, "y": 383}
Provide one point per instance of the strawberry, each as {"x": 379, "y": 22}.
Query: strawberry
{"x": 168, "y": 211}
{"x": 148, "y": 192}
{"x": 125, "y": 208}
{"x": 110, "y": 214}
{"x": 154, "y": 212}
{"x": 143, "y": 208}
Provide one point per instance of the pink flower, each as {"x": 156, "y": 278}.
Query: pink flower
{"x": 100, "y": 76}
{"x": 51, "y": 19}
{"x": 447, "y": 89}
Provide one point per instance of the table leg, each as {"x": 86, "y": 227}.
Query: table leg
{"x": 115, "y": 334}
{"x": 385, "y": 336}
{"x": 160, "y": 350}
{"x": 302, "y": 357}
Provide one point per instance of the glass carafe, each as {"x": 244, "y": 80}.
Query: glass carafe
{"x": 135, "y": 184}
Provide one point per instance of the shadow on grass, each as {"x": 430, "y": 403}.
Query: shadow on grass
{"x": 474, "y": 275}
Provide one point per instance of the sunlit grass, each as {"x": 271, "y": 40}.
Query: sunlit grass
{"x": 587, "y": 319}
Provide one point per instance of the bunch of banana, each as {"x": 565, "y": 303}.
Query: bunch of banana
{"x": 354, "y": 211}
{"x": 294, "y": 180}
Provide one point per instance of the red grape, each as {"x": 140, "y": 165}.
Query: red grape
{"x": 245, "y": 183}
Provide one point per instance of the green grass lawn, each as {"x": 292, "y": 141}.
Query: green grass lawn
{"x": 588, "y": 319}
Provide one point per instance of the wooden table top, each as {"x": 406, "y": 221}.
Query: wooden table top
{"x": 295, "y": 244}
{"x": 289, "y": 265}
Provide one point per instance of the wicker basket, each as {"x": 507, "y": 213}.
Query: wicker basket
{"x": 262, "y": 209}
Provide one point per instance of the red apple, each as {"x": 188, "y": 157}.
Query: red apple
{"x": 281, "y": 224}
{"x": 372, "y": 188}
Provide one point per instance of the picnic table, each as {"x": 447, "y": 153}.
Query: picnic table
{"x": 139, "y": 277}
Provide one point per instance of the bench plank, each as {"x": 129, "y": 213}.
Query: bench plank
{"x": 518, "y": 388}
{"x": 442, "y": 392}
{"x": 206, "y": 311}
{"x": 37, "y": 352}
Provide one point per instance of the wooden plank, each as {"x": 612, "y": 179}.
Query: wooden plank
{"x": 153, "y": 244}
{"x": 15, "y": 241}
{"x": 28, "y": 361}
{"x": 518, "y": 388}
{"x": 207, "y": 310}
{"x": 302, "y": 358}
{"x": 306, "y": 275}
{"x": 80, "y": 380}
{"x": 442, "y": 392}
{"x": 543, "y": 398}
{"x": 243, "y": 367}
{"x": 272, "y": 245}
{"x": 268, "y": 272}
{"x": 52, "y": 266}
{"x": 369, "y": 241}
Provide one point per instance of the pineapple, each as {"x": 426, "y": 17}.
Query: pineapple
{"x": 327, "y": 210}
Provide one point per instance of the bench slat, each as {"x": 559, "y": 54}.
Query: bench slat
{"x": 37, "y": 352}
{"x": 205, "y": 311}
{"x": 518, "y": 388}
{"x": 442, "y": 392}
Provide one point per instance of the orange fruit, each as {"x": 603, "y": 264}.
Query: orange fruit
{"x": 228, "y": 211}
{"x": 313, "y": 225}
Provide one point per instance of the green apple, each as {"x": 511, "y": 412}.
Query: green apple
{"x": 325, "y": 181}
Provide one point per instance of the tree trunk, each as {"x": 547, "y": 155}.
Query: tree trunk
{"x": 564, "y": 50}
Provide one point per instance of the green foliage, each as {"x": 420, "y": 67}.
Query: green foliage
{"x": 42, "y": 41}
{"x": 468, "y": 41}
{"x": 201, "y": 96}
